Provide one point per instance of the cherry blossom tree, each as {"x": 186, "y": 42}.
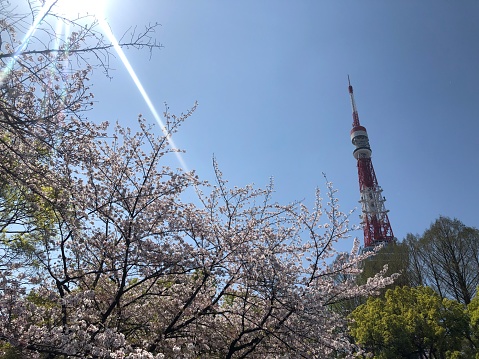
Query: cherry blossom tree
{"x": 127, "y": 266}
{"x": 44, "y": 96}
{"x": 106, "y": 252}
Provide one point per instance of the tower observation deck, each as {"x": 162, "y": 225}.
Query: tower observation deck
{"x": 375, "y": 221}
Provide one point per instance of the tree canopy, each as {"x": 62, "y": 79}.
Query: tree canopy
{"x": 446, "y": 257}
{"x": 411, "y": 323}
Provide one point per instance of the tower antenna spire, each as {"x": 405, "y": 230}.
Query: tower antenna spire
{"x": 353, "y": 105}
{"x": 375, "y": 221}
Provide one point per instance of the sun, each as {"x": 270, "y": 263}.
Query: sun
{"x": 77, "y": 8}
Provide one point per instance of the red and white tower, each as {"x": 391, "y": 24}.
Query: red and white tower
{"x": 375, "y": 221}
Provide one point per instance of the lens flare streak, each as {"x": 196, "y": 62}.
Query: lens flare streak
{"x": 9, "y": 66}
{"x": 141, "y": 89}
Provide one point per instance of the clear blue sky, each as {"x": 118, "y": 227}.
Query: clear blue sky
{"x": 271, "y": 81}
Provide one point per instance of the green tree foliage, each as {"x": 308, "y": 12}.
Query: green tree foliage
{"x": 473, "y": 308}
{"x": 396, "y": 256}
{"x": 392, "y": 259}
{"x": 411, "y": 323}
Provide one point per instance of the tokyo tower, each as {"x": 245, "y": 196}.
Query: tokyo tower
{"x": 375, "y": 221}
